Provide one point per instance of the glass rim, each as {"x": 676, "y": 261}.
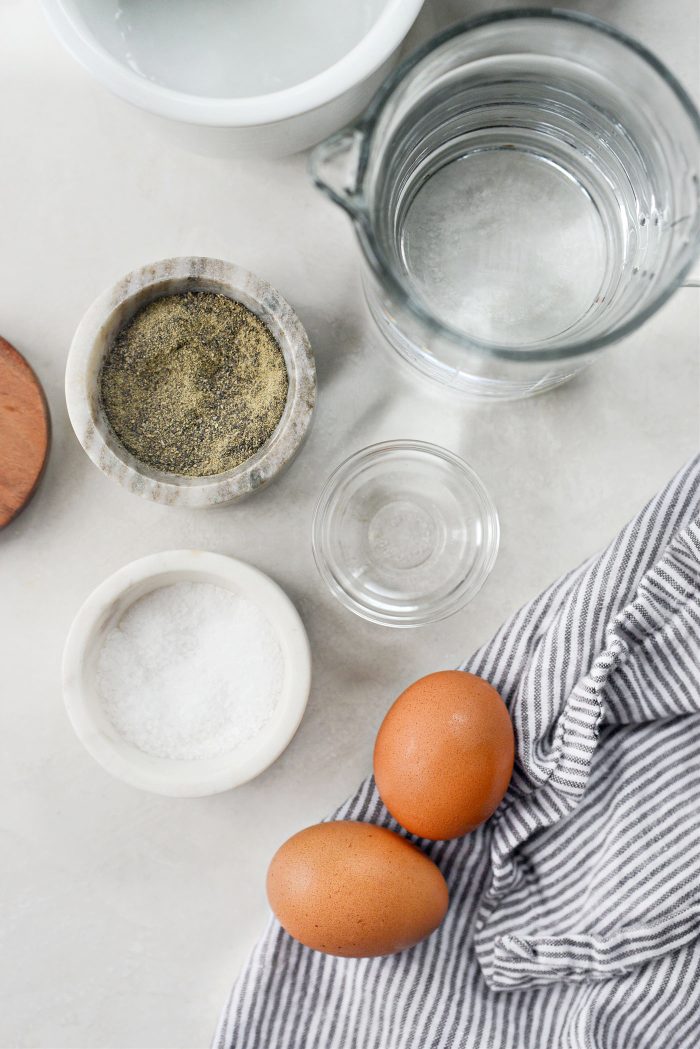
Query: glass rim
{"x": 383, "y": 269}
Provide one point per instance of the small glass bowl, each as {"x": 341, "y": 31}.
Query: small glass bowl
{"x": 404, "y": 533}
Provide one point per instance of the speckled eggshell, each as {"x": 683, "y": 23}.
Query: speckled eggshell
{"x": 355, "y": 890}
{"x": 443, "y": 758}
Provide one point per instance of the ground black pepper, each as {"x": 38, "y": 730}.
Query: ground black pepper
{"x": 194, "y": 384}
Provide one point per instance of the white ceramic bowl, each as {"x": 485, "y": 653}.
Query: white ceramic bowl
{"x": 277, "y": 121}
{"x": 114, "y": 308}
{"x": 179, "y": 778}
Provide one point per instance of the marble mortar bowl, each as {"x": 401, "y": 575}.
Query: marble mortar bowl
{"x": 114, "y": 308}
{"x": 170, "y": 776}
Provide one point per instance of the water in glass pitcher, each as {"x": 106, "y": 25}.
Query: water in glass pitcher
{"x": 521, "y": 209}
{"x": 506, "y": 246}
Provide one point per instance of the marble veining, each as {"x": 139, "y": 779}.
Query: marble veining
{"x": 107, "y": 314}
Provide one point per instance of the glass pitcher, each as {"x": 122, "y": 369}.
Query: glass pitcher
{"x": 525, "y": 191}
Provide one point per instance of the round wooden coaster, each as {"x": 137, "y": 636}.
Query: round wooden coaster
{"x": 24, "y": 432}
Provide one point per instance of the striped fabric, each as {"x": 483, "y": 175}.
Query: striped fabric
{"x": 574, "y": 918}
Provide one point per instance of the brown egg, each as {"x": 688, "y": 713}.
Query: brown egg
{"x": 355, "y": 890}
{"x": 444, "y": 755}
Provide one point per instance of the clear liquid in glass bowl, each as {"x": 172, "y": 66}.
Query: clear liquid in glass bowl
{"x": 405, "y": 533}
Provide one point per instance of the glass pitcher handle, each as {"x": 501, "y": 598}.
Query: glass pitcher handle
{"x": 335, "y": 167}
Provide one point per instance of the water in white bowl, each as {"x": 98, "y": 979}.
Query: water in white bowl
{"x": 229, "y": 48}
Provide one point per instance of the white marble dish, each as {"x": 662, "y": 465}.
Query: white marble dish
{"x": 115, "y": 307}
{"x": 182, "y": 778}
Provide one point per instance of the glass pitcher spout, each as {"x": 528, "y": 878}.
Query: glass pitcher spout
{"x": 336, "y": 168}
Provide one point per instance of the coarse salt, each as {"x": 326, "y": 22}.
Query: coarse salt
{"x": 190, "y": 671}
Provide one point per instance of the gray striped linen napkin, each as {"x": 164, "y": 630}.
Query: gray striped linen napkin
{"x": 574, "y": 919}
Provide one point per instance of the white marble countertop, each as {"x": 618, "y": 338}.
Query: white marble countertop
{"x": 124, "y": 916}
